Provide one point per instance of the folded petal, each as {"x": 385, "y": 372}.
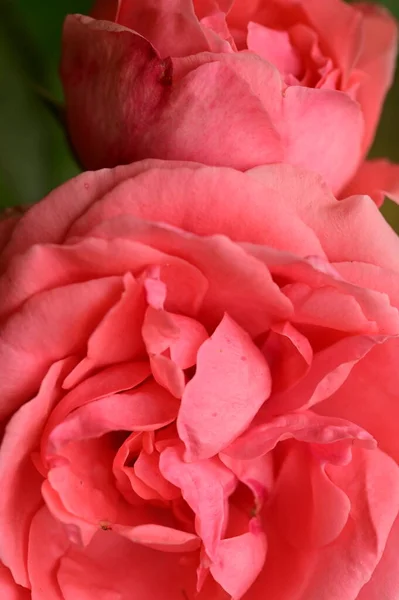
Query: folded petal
{"x": 20, "y": 497}
{"x": 369, "y": 397}
{"x": 170, "y": 25}
{"x": 9, "y": 590}
{"x": 147, "y": 408}
{"x": 343, "y": 567}
{"x": 205, "y": 486}
{"x": 377, "y": 61}
{"x": 310, "y": 510}
{"x": 376, "y": 178}
{"x": 69, "y": 315}
{"x": 289, "y": 355}
{"x": 239, "y": 560}
{"x": 231, "y": 383}
{"x": 112, "y": 566}
{"x": 304, "y": 426}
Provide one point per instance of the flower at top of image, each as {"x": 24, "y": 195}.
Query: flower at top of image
{"x": 199, "y": 387}
{"x": 230, "y": 83}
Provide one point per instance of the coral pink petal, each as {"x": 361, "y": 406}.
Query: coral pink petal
{"x": 112, "y": 566}
{"x": 274, "y": 46}
{"x": 371, "y": 483}
{"x": 304, "y": 426}
{"x": 289, "y": 355}
{"x": 170, "y": 25}
{"x": 346, "y": 230}
{"x": 69, "y": 315}
{"x": 205, "y": 486}
{"x": 256, "y": 473}
{"x": 86, "y": 492}
{"x": 109, "y": 381}
{"x": 331, "y": 367}
{"x": 160, "y": 538}
{"x": 20, "y": 497}
{"x": 376, "y": 178}
{"x": 239, "y": 560}
{"x": 342, "y": 568}
{"x": 231, "y": 383}
{"x": 377, "y": 61}
{"x": 209, "y": 212}
{"x": 168, "y": 375}
{"x": 339, "y": 26}
{"x": 48, "y": 542}
{"x": 238, "y": 283}
{"x": 146, "y": 468}
{"x": 9, "y": 590}
{"x": 369, "y": 397}
{"x": 118, "y": 337}
{"x": 341, "y": 121}
{"x": 310, "y": 510}
{"x": 176, "y": 336}
{"x": 385, "y": 579}
{"x": 48, "y": 221}
{"x": 147, "y": 408}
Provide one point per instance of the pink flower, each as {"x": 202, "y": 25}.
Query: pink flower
{"x": 228, "y": 83}
{"x": 199, "y": 389}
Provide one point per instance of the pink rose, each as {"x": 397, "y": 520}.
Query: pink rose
{"x": 228, "y": 83}
{"x": 197, "y": 367}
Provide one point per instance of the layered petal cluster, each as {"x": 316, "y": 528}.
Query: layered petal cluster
{"x": 231, "y": 83}
{"x": 198, "y": 389}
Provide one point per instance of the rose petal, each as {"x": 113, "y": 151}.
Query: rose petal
{"x": 309, "y": 509}
{"x": 160, "y": 538}
{"x": 69, "y": 315}
{"x": 21, "y": 497}
{"x": 9, "y": 590}
{"x": 112, "y": 566}
{"x": 342, "y": 568}
{"x": 288, "y": 354}
{"x": 118, "y": 336}
{"x": 147, "y": 408}
{"x": 48, "y": 542}
{"x": 303, "y": 426}
{"x": 274, "y": 46}
{"x": 205, "y": 486}
{"x": 377, "y": 178}
{"x": 231, "y": 383}
{"x": 239, "y": 560}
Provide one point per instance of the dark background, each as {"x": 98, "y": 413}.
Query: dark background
{"x": 34, "y": 156}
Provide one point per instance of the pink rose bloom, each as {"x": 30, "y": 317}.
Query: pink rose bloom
{"x": 229, "y": 83}
{"x": 199, "y": 389}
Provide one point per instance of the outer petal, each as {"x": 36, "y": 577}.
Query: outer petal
{"x": 170, "y": 25}
{"x": 377, "y": 178}
{"x": 377, "y": 61}
{"x": 256, "y": 122}
{"x": 20, "y": 497}
{"x": 91, "y": 49}
{"x": 112, "y": 566}
{"x": 352, "y": 229}
{"x": 304, "y": 426}
{"x": 369, "y": 396}
{"x": 69, "y": 315}
{"x": 9, "y": 590}
{"x": 147, "y": 408}
{"x": 343, "y": 567}
{"x": 384, "y": 582}
{"x": 231, "y": 383}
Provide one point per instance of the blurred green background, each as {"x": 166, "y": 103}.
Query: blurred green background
{"x": 34, "y": 155}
